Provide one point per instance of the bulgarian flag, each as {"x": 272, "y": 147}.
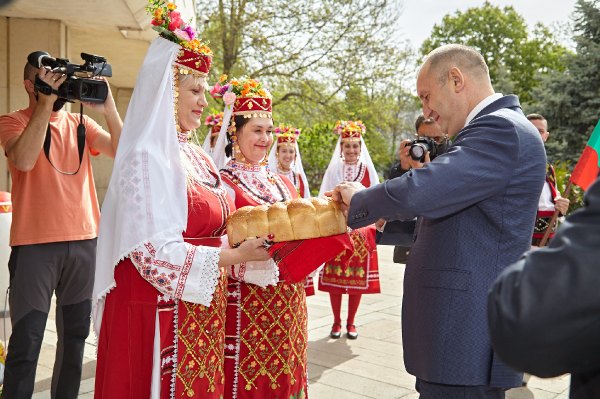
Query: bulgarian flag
{"x": 588, "y": 166}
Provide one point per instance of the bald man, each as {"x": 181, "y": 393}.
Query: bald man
{"x": 478, "y": 203}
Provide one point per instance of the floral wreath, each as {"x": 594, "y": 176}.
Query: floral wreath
{"x": 243, "y": 87}
{"x": 349, "y": 128}
{"x": 286, "y": 130}
{"x": 166, "y": 20}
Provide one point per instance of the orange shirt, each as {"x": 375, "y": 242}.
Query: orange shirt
{"x": 49, "y": 206}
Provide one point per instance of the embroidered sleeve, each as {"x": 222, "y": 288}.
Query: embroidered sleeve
{"x": 261, "y": 273}
{"x": 178, "y": 269}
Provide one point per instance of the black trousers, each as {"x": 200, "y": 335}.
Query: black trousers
{"x": 36, "y": 272}
{"x": 430, "y": 390}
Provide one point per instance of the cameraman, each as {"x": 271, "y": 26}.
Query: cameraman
{"x": 53, "y": 232}
{"x": 400, "y": 233}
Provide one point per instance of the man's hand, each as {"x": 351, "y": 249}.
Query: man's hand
{"x": 380, "y": 225}
{"x": 52, "y": 79}
{"x": 406, "y": 161}
{"x": 345, "y": 191}
{"x": 107, "y": 143}
{"x": 105, "y": 107}
{"x": 561, "y": 204}
{"x": 403, "y": 154}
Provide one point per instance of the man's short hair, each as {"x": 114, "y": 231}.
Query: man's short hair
{"x": 422, "y": 120}
{"x": 466, "y": 58}
{"x": 536, "y": 117}
{"x": 29, "y": 72}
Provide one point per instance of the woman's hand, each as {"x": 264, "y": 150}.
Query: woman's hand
{"x": 254, "y": 249}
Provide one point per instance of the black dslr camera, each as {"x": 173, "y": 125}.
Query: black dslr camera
{"x": 79, "y": 84}
{"x": 420, "y": 147}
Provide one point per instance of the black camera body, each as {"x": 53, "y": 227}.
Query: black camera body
{"x": 419, "y": 147}
{"x": 79, "y": 84}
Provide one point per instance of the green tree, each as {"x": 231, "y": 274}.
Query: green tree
{"x": 323, "y": 61}
{"x": 516, "y": 57}
{"x": 293, "y": 44}
{"x": 570, "y": 100}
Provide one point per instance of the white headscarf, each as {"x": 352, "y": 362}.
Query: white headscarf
{"x": 138, "y": 209}
{"x": 334, "y": 174}
{"x": 206, "y": 144}
{"x": 297, "y": 165}
{"x": 218, "y": 152}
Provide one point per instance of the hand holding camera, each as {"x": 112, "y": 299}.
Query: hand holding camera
{"x": 47, "y": 82}
{"x": 408, "y": 156}
{"x": 423, "y": 149}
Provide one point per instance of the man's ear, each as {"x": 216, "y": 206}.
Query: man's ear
{"x": 457, "y": 80}
{"x": 29, "y": 86}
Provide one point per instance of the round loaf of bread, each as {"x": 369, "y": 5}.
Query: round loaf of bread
{"x": 303, "y": 217}
{"x": 237, "y": 225}
{"x": 329, "y": 217}
{"x": 258, "y": 222}
{"x": 279, "y": 222}
{"x": 298, "y": 219}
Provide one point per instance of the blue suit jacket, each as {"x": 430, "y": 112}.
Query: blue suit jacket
{"x": 478, "y": 204}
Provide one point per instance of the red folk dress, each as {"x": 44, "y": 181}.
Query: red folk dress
{"x": 192, "y": 336}
{"x": 296, "y": 181}
{"x": 298, "y": 184}
{"x": 355, "y": 272}
{"x": 266, "y": 328}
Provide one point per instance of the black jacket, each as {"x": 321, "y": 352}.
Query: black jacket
{"x": 544, "y": 310}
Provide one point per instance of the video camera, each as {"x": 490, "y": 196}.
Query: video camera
{"x": 79, "y": 84}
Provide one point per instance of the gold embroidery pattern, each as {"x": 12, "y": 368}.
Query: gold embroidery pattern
{"x": 350, "y": 267}
{"x": 201, "y": 343}
{"x": 276, "y": 335}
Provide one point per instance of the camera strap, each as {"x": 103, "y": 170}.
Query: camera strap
{"x": 80, "y": 143}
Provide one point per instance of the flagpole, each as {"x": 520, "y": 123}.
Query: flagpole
{"x": 554, "y": 217}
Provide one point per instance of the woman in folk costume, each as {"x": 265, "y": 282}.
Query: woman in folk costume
{"x": 160, "y": 288}
{"x": 284, "y": 159}
{"x": 353, "y": 273}
{"x": 214, "y": 122}
{"x": 266, "y": 324}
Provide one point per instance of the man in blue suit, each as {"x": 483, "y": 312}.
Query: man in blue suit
{"x": 478, "y": 204}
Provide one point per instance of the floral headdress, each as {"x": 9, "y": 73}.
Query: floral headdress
{"x": 286, "y": 134}
{"x": 215, "y": 121}
{"x": 349, "y": 130}
{"x": 247, "y": 96}
{"x": 195, "y": 55}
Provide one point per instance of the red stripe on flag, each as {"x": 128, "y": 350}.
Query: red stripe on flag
{"x": 586, "y": 170}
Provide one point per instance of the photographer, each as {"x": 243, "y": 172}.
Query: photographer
{"x": 54, "y": 228}
{"x": 400, "y": 233}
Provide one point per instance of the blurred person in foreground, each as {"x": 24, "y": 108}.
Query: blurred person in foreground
{"x": 543, "y": 310}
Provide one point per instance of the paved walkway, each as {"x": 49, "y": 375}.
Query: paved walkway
{"x": 370, "y": 367}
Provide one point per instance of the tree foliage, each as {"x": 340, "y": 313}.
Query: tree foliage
{"x": 515, "y": 56}
{"x": 298, "y": 43}
{"x": 323, "y": 61}
{"x": 570, "y": 100}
